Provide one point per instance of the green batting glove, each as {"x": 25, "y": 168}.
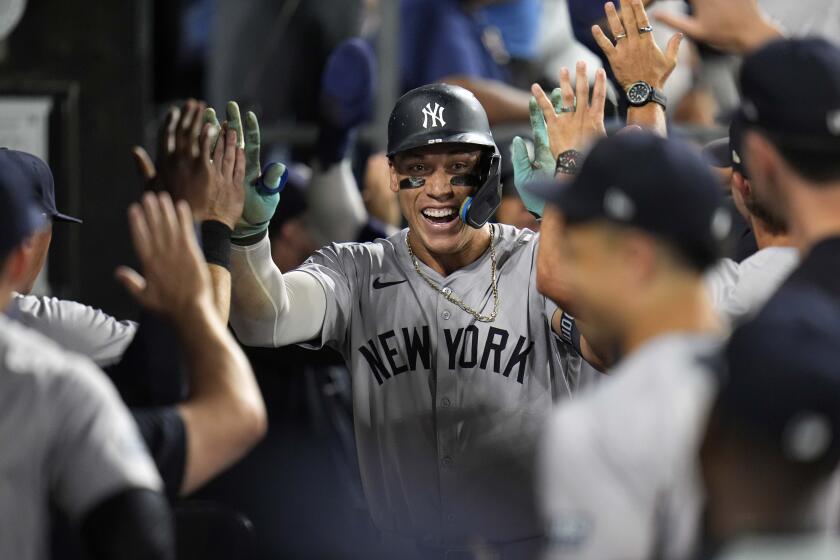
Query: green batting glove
{"x": 209, "y": 117}
{"x": 541, "y": 168}
{"x": 262, "y": 186}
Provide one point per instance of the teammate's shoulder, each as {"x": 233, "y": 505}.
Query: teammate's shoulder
{"x": 30, "y": 356}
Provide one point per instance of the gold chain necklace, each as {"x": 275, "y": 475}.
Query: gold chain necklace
{"x": 447, "y": 292}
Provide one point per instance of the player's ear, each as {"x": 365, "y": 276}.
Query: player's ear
{"x": 740, "y": 184}
{"x": 763, "y": 159}
{"x": 13, "y": 270}
{"x": 394, "y": 182}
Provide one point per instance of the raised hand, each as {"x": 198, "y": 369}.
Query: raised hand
{"x": 732, "y": 25}
{"x": 541, "y": 167}
{"x": 579, "y": 122}
{"x": 635, "y": 56}
{"x": 262, "y": 186}
{"x": 227, "y": 198}
{"x": 182, "y": 168}
{"x": 175, "y": 278}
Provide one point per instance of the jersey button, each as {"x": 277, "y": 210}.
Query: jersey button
{"x": 450, "y": 517}
{"x": 446, "y": 461}
{"x": 446, "y": 315}
{"x": 445, "y": 402}
{"x": 446, "y": 291}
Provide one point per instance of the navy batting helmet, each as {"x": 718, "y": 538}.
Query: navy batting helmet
{"x": 447, "y": 114}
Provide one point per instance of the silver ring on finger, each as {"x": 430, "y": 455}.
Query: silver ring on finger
{"x": 645, "y": 29}
{"x": 567, "y": 109}
{"x": 620, "y": 36}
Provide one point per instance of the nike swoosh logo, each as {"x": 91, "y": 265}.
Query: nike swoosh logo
{"x": 378, "y": 285}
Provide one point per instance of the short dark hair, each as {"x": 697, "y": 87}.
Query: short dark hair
{"x": 816, "y": 162}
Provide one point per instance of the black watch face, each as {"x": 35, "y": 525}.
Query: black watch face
{"x": 639, "y": 93}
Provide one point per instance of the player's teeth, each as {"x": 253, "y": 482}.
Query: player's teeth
{"x": 438, "y": 212}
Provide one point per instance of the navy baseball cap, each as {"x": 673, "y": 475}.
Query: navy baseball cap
{"x": 38, "y": 180}
{"x": 790, "y": 89}
{"x": 658, "y": 185}
{"x": 782, "y": 380}
{"x": 727, "y": 152}
{"x": 20, "y": 215}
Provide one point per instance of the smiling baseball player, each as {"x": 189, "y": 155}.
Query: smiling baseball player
{"x": 454, "y": 367}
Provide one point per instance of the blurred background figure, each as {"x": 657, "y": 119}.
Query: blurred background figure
{"x": 68, "y": 441}
{"x": 772, "y": 446}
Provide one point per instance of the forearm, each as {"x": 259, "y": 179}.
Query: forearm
{"x": 336, "y": 209}
{"x": 220, "y": 278}
{"x": 650, "y": 117}
{"x": 269, "y": 308}
{"x": 225, "y": 414}
{"x": 503, "y": 103}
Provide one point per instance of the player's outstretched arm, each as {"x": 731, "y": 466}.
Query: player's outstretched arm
{"x": 635, "y": 57}
{"x": 571, "y": 127}
{"x": 187, "y": 141}
{"x": 267, "y": 308}
{"x": 225, "y": 415}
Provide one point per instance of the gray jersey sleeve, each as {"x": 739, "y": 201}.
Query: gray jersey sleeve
{"x": 741, "y": 289}
{"x": 74, "y": 326}
{"x": 334, "y": 268}
{"x": 97, "y": 450}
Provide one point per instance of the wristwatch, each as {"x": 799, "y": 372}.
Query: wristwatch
{"x": 640, "y": 94}
{"x": 567, "y": 162}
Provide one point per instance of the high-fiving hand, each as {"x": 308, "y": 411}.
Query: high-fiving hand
{"x": 541, "y": 167}
{"x": 635, "y": 56}
{"x": 175, "y": 278}
{"x": 182, "y": 169}
{"x": 262, "y": 186}
{"x": 578, "y": 122}
{"x": 737, "y": 26}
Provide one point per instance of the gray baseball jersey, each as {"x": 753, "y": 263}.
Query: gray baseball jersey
{"x": 76, "y": 327}
{"x": 67, "y": 439}
{"x": 447, "y": 409}
{"x": 617, "y": 468}
{"x": 741, "y": 289}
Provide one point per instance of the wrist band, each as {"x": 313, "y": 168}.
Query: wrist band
{"x": 569, "y": 332}
{"x": 250, "y": 239}
{"x": 567, "y": 162}
{"x": 215, "y": 242}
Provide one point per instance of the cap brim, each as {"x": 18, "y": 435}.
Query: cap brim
{"x": 547, "y": 190}
{"x": 718, "y": 154}
{"x": 561, "y": 195}
{"x": 59, "y": 217}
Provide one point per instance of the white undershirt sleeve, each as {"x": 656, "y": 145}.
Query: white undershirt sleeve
{"x": 269, "y": 308}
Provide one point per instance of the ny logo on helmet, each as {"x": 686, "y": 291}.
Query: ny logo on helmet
{"x": 435, "y": 114}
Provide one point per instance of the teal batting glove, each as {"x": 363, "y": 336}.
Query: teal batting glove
{"x": 541, "y": 167}
{"x": 262, "y": 185}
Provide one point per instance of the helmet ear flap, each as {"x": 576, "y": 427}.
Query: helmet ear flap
{"x": 477, "y": 209}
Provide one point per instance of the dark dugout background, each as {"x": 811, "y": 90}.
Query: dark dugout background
{"x": 113, "y": 67}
